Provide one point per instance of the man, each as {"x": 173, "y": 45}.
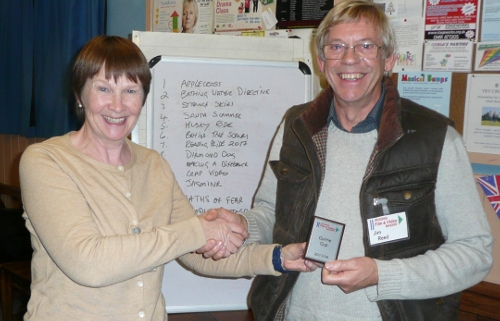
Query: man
{"x": 359, "y": 152}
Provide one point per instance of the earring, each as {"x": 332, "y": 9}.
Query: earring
{"x": 80, "y": 105}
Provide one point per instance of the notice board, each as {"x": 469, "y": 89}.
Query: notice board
{"x": 213, "y": 119}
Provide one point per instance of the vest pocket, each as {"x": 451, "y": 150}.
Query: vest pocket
{"x": 288, "y": 173}
{"x": 424, "y": 231}
{"x": 406, "y": 195}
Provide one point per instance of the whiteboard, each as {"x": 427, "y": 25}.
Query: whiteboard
{"x": 213, "y": 120}
{"x": 183, "y": 290}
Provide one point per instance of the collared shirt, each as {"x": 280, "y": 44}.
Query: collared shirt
{"x": 371, "y": 122}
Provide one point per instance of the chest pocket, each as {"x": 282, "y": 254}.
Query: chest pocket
{"x": 401, "y": 197}
{"x": 288, "y": 173}
{"x": 418, "y": 202}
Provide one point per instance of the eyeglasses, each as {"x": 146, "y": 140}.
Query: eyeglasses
{"x": 364, "y": 51}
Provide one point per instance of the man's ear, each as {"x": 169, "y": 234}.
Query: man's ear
{"x": 390, "y": 62}
{"x": 321, "y": 63}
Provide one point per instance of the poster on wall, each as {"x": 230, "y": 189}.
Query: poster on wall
{"x": 429, "y": 89}
{"x": 409, "y": 37}
{"x": 482, "y": 114}
{"x": 301, "y": 13}
{"x": 407, "y": 22}
{"x": 490, "y": 19}
{"x": 211, "y": 16}
{"x": 487, "y": 56}
{"x": 231, "y": 15}
{"x": 448, "y": 55}
{"x": 183, "y": 16}
{"x": 451, "y": 19}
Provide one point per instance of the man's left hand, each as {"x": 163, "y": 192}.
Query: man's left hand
{"x": 350, "y": 275}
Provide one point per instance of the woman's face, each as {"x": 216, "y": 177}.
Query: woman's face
{"x": 111, "y": 108}
{"x": 188, "y": 17}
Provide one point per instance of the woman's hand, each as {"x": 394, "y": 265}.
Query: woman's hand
{"x": 292, "y": 258}
{"x": 225, "y": 232}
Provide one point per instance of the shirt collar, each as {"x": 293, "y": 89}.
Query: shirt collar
{"x": 371, "y": 122}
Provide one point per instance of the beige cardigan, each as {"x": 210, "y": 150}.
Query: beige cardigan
{"x": 101, "y": 234}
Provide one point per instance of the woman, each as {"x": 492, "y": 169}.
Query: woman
{"x": 189, "y": 16}
{"x": 106, "y": 214}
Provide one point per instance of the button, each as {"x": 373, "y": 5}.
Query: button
{"x": 140, "y": 284}
{"x": 284, "y": 171}
{"x": 128, "y": 195}
{"x": 136, "y": 230}
{"x": 141, "y": 314}
{"x": 407, "y": 195}
{"x": 120, "y": 168}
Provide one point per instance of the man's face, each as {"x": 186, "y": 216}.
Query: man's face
{"x": 356, "y": 82}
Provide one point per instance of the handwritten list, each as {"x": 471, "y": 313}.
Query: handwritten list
{"x": 214, "y": 122}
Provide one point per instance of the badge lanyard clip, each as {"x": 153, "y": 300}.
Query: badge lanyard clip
{"x": 383, "y": 202}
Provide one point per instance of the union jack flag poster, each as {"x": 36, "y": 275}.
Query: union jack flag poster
{"x": 491, "y": 186}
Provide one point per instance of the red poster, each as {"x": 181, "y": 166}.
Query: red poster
{"x": 451, "y": 19}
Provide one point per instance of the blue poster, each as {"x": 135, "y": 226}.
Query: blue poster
{"x": 429, "y": 89}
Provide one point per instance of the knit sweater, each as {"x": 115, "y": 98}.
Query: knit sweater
{"x": 101, "y": 234}
{"x": 339, "y": 201}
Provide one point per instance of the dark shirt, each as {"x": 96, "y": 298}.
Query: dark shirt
{"x": 371, "y": 122}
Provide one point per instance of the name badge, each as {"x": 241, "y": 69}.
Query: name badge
{"x": 388, "y": 228}
{"x": 324, "y": 240}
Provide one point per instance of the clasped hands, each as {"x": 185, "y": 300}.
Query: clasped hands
{"x": 227, "y": 231}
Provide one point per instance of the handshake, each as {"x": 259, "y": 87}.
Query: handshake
{"x": 226, "y": 231}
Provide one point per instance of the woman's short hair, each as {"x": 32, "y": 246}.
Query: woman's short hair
{"x": 352, "y": 11}
{"x": 119, "y": 57}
